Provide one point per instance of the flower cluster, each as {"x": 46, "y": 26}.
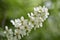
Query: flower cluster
{"x": 24, "y": 26}
{"x": 8, "y": 33}
{"x": 38, "y": 16}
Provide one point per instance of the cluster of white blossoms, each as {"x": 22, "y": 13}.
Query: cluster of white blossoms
{"x": 38, "y": 16}
{"x": 8, "y": 33}
{"x": 24, "y": 26}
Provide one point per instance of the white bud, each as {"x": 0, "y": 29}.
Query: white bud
{"x": 6, "y": 27}
{"x": 22, "y": 18}
{"x": 12, "y": 22}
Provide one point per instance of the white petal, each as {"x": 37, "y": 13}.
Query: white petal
{"x": 40, "y": 24}
{"x": 12, "y": 22}
{"x": 6, "y": 27}
{"x": 32, "y": 14}
{"x": 22, "y": 18}
{"x": 28, "y": 15}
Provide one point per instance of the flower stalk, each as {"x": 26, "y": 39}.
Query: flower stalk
{"x": 24, "y": 26}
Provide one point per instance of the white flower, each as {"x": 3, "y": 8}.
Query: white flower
{"x": 17, "y": 34}
{"x": 16, "y": 23}
{"x": 9, "y": 33}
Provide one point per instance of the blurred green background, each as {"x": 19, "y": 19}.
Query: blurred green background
{"x": 12, "y": 9}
